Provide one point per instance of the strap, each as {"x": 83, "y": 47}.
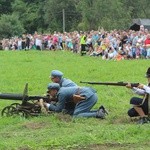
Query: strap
{"x": 149, "y": 106}
{"x": 148, "y": 98}
{"x": 78, "y": 91}
{"x": 76, "y": 97}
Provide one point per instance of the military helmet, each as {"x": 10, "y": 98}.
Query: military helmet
{"x": 56, "y": 73}
{"x": 53, "y": 86}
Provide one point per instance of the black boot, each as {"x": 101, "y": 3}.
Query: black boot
{"x": 104, "y": 110}
{"x": 143, "y": 120}
{"x": 101, "y": 113}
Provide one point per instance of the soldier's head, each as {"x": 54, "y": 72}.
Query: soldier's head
{"x": 56, "y": 76}
{"x": 53, "y": 88}
{"x": 147, "y": 75}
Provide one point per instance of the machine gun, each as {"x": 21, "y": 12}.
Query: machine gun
{"x": 111, "y": 83}
{"x": 26, "y": 108}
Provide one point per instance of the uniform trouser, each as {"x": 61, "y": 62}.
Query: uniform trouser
{"x": 138, "y": 102}
{"x": 83, "y": 108}
{"x": 83, "y": 50}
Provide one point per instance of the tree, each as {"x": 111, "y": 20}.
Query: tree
{"x": 10, "y": 26}
{"x": 108, "y": 14}
{"x": 5, "y": 6}
{"x": 46, "y": 15}
{"x": 53, "y": 14}
{"x": 138, "y": 8}
{"x": 30, "y": 14}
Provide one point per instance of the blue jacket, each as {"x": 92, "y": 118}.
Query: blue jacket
{"x": 67, "y": 83}
{"x": 65, "y": 95}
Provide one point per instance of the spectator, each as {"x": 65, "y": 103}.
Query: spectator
{"x": 83, "y": 44}
{"x": 38, "y": 42}
{"x": 147, "y": 46}
{"x": 19, "y": 44}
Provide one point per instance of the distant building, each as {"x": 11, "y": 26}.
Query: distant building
{"x": 136, "y": 23}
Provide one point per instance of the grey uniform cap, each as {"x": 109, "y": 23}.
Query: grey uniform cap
{"x": 53, "y": 86}
{"x": 56, "y": 73}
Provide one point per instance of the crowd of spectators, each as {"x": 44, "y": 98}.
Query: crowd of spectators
{"x": 115, "y": 44}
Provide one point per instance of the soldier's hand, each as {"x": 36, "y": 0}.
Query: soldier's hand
{"x": 141, "y": 86}
{"x": 129, "y": 85}
{"x": 41, "y": 101}
{"x": 43, "y": 110}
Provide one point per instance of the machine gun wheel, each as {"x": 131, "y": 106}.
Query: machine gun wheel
{"x": 28, "y": 113}
{"x": 23, "y": 113}
{"x": 15, "y": 105}
{"x": 8, "y": 111}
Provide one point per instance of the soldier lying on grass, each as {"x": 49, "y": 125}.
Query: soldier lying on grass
{"x": 84, "y": 99}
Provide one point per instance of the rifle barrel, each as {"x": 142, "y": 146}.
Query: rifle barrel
{"x": 111, "y": 83}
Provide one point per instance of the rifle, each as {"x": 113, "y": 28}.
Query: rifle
{"x": 25, "y": 107}
{"x": 111, "y": 83}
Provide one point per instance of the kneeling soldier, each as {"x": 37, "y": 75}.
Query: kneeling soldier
{"x": 83, "y": 97}
{"x": 141, "y": 106}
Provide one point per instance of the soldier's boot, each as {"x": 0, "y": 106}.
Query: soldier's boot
{"x": 101, "y": 113}
{"x": 103, "y": 108}
{"x": 143, "y": 120}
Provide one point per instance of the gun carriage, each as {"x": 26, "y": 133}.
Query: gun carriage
{"x": 27, "y": 107}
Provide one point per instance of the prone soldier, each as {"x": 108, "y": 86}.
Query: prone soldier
{"x": 83, "y": 97}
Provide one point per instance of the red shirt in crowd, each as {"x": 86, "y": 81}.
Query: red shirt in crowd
{"x": 147, "y": 41}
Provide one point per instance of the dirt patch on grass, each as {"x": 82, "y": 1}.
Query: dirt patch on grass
{"x": 125, "y": 120}
{"x": 64, "y": 117}
{"x": 35, "y": 125}
{"x": 121, "y": 121}
{"x": 112, "y": 146}
{"x": 24, "y": 148}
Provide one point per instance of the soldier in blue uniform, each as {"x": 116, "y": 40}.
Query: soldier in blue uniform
{"x": 57, "y": 77}
{"x": 83, "y": 97}
{"x": 141, "y": 106}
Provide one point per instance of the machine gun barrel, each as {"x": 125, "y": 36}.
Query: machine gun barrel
{"x": 24, "y": 97}
{"x": 11, "y": 96}
{"x": 111, "y": 83}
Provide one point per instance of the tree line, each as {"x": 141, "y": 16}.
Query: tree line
{"x": 46, "y": 16}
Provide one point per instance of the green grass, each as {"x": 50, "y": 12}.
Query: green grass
{"x": 58, "y": 131}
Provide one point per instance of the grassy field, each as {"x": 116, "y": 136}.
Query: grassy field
{"x": 61, "y": 132}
